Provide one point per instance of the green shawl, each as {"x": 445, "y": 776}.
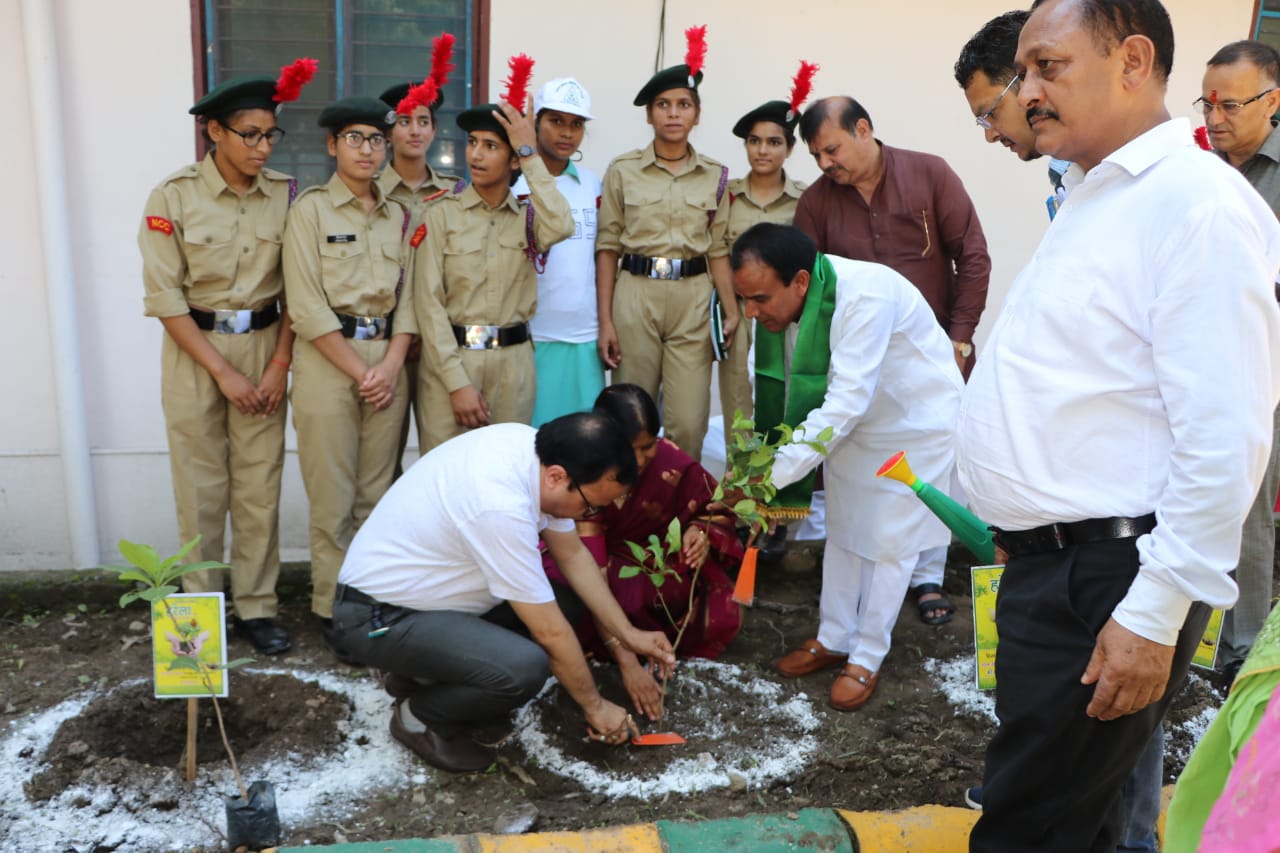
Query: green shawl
{"x": 807, "y": 382}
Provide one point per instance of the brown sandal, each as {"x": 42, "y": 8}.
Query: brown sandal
{"x": 853, "y": 687}
{"x": 809, "y": 658}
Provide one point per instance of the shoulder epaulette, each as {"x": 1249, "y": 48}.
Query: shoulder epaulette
{"x": 189, "y": 171}
{"x": 273, "y": 175}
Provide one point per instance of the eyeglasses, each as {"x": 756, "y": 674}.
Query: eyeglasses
{"x": 356, "y": 139}
{"x": 1229, "y": 108}
{"x": 984, "y": 120}
{"x": 592, "y": 510}
{"x": 253, "y": 137}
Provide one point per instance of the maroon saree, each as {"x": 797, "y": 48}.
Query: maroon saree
{"x": 672, "y": 486}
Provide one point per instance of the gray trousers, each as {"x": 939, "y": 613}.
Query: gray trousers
{"x": 1254, "y": 572}
{"x": 472, "y": 668}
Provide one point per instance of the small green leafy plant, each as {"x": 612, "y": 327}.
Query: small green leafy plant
{"x": 156, "y": 579}
{"x": 748, "y": 475}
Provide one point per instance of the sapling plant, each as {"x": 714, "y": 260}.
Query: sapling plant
{"x": 156, "y": 579}
{"x": 748, "y": 483}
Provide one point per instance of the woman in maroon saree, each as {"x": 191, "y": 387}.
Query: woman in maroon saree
{"x": 670, "y": 485}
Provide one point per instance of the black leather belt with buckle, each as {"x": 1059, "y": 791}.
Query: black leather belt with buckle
{"x": 228, "y": 322}
{"x": 1055, "y": 537}
{"x": 355, "y": 596}
{"x": 491, "y": 337}
{"x": 363, "y": 328}
{"x": 664, "y": 268}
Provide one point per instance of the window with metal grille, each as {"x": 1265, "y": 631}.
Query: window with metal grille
{"x": 1268, "y": 26}
{"x": 363, "y": 47}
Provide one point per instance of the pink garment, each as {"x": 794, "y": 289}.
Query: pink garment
{"x": 1245, "y": 819}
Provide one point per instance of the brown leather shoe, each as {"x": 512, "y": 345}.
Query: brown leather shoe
{"x": 810, "y": 657}
{"x": 458, "y": 754}
{"x": 853, "y": 687}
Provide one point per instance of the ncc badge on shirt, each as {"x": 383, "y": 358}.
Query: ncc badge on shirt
{"x": 416, "y": 240}
{"x": 159, "y": 223}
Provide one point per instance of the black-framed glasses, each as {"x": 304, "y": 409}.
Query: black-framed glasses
{"x": 1229, "y": 108}
{"x": 592, "y": 510}
{"x": 253, "y": 137}
{"x": 984, "y": 120}
{"x": 356, "y": 139}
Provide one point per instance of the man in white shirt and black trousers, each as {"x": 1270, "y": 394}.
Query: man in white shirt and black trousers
{"x": 1116, "y": 429}
{"x": 443, "y": 587}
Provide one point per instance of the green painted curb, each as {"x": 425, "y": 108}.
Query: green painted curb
{"x": 408, "y": 845}
{"x": 811, "y": 829}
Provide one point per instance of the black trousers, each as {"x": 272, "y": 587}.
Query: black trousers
{"x": 1054, "y": 775}
{"x": 471, "y": 668}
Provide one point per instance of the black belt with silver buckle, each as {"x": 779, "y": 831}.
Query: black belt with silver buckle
{"x": 355, "y": 596}
{"x": 664, "y": 268}
{"x": 490, "y": 337}
{"x": 1055, "y": 537}
{"x": 235, "y": 322}
{"x": 364, "y": 328}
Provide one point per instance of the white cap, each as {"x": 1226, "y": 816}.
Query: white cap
{"x": 563, "y": 94}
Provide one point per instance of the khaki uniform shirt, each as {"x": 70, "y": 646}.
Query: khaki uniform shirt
{"x": 204, "y": 245}
{"x": 340, "y": 260}
{"x": 435, "y": 187}
{"x": 645, "y": 210}
{"x": 744, "y": 212}
{"x": 471, "y": 267}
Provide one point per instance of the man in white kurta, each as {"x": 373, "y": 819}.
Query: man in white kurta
{"x": 892, "y": 384}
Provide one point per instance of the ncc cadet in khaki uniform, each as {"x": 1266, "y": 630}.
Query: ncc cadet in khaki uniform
{"x": 475, "y": 280}
{"x": 343, "y": 274}
{"x": 210, "y": 240}
{"x": 663, "y": 214}
{"x": 409, "y": 180}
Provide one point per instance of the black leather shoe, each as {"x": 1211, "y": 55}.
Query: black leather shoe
{"x": 330, "y": 637}
{"x": 773, "y": 545}
{"x": 265, "y": 635}
{"x": 458, "y": 754}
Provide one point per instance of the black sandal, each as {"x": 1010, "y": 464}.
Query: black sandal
{"x": 926, "y": 607}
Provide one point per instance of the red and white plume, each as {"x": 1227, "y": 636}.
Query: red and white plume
{"x": 801, "y": 86}
{"x": 695, "y": 55}
{"x": 425, "y": 93}
{"x": 517, "y": 94}
{"x": 292, "y": 78}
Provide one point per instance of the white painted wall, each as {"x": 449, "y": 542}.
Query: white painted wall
{"x": 894, "y": 57}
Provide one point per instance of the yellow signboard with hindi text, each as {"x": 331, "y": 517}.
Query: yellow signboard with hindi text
{"x": 189, "y": 646}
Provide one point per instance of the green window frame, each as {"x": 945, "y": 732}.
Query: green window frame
{"x": 363, "y": 47}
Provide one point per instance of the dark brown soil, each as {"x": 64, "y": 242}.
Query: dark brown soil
{"x": 61, "y": 634}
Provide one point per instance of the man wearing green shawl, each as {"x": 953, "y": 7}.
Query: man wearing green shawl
{"x": 852, "y": 346}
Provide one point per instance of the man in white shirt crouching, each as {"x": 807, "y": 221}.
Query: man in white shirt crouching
{"x": 443, "y": 586}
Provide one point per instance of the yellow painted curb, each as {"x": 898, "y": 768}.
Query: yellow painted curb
{"x": 924, "y": 829}
{"x": 637, "y": 838}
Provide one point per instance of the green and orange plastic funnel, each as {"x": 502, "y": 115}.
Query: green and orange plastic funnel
{"x": 973, "y": 532}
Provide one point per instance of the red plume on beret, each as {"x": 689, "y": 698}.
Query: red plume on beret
{"x": 696, "y": 53}
{"x": 425, "y": 93}
{"x": 517, "y": 94}
{"x": 292, "y": 78}
{"x": 442, "y": 59}
{"x": 1201, "y": 135}
{"x": 801, "y": 86}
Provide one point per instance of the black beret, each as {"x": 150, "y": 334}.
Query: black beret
{"x": 675, "y": 77}
{"x": 774, "y": 111}
{"x": 480, "y": 117}
{"x": 395, "y": 94}
{"x": 238, "y": 93}
{"x": 357, "y": 109}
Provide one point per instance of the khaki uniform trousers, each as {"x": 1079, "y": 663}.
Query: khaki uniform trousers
{"x": 505, "y": 376}
{"x": 410, "y": 411}
{"x": 664, "y": 332}
{"x": 223, "y": 461}
{"x": 735, "y": 378}
{"x": 346, "y": 451}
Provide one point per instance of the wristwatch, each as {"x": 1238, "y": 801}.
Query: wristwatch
{"x": 964, "y": 349}
{"x": 524, "y": 151}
